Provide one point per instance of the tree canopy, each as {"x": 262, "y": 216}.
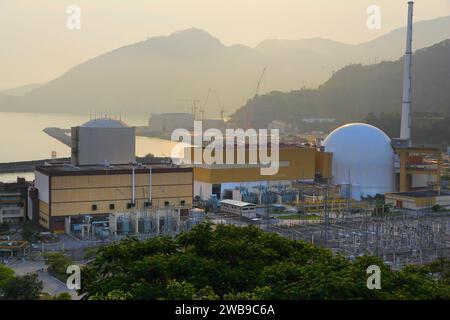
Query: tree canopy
{"x": 27, "y": 287}
{"x": 229, "y": 262}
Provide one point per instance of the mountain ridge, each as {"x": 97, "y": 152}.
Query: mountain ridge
{"x": 357, "y": 90}
{"x": 154, "y": 75}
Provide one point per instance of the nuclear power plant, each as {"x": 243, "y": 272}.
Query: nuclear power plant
{"x": 104, "y": 192}
{"x": 333, "y": 188}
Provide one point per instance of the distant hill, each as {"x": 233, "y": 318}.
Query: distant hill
{"x": 355, "y": 91}
{"x": 20, "y": 91}
{"x": 159, "y": 74}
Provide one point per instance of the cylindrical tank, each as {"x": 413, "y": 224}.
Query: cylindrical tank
{"x": 362, "y": 156}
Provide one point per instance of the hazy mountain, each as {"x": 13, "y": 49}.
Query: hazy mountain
{"x": 315, "y": 59}
{"x": 21, "y": 91}
{"x": 159, "y": 74}
{"x": 356, "y": 90}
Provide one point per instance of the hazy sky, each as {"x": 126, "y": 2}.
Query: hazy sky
{"x": 36, "y": 46}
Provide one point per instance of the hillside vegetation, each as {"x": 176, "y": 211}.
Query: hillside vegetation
{"x": 356, "y": 90}
{"x": 231, "y": 262}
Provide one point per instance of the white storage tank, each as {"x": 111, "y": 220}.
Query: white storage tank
{"x": 362, "y": 156}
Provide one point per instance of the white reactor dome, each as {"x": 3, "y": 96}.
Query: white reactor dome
{"x": 363, "y": 159}
{"x": 104, "y": 123}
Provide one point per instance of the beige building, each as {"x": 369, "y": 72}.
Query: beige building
{"x": 417, "y": 200}
{"x": 63, "y": 191}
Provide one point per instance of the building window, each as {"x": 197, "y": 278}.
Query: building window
{"x": 130, "y": 205}
{"x": 183, "y": 202}
{"x": 94, "y": 207}
{"x": 147, "y": 204}
{"x": 166, "y": 203}
{"x": 112, "y": 206}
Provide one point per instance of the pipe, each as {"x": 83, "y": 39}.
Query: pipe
{"x": 150, "y": 186}
{"x": 132, "y": 184}
{"x": 405, "y": 130}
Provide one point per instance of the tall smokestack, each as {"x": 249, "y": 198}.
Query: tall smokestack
{"x": 405, "y": 130}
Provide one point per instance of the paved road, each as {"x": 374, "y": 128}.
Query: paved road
{"x": 51, "y": 285}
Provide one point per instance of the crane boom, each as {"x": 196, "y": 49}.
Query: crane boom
{"x": 258, "y": 86}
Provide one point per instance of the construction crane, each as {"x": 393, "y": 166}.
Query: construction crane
{"x": 202, "y": 110}
{"x": 258, "y": 85}
{"x": 222, "y": 109}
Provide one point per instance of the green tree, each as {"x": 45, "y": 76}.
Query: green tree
{"x": 6, "y": 274}
{"x": 229, "y": 262}
{"x": 61, "y": 296}
{"x": 27, "y": 231}
{"x": 27, "y": 287}
{"x": 112, "y": 295}
{"x": 57, "y": 264}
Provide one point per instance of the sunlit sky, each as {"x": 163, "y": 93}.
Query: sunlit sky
{"x": 36, "y": 46}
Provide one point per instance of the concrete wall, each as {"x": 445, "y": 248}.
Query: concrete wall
{"x": 421, "y": 180}
{"x": 42, "y": 183}
{"x": 202, "y": 189}
{"x": 100, "y": 145}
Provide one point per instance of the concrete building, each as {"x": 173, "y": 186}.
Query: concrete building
{"x": 417, "y": 200}
{"x": 12, "y": 207}
{"x": 103, "y": 141}
{"x": 417, "y": 167}
{"x": 167, "y": 122}
{"x": 13, "y": 201}
{"x": 65, "y": 191}
{"x": 244, "y": 209}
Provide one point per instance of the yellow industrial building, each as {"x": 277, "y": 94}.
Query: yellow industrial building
{"x": 295, "y": 163}
{"x": 67, "y": 191}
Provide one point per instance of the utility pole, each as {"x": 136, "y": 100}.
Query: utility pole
{"x": 326, "y": 214}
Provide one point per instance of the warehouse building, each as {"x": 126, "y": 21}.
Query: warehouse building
{"x": 243, "y": 209}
